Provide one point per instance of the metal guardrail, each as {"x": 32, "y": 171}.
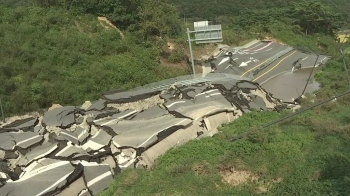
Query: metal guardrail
{"x": 272, "y": 59}
{"x": 189, "y": 80}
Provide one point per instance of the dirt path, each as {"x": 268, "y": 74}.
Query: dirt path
{"x": 107, "y": 24}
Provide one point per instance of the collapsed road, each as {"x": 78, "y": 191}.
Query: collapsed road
{"x": 77, "y": 150}
{"x": 279, "y": 69}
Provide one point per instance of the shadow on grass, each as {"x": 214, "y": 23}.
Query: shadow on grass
{"x": 337, "y": 174}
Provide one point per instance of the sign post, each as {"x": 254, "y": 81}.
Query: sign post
{"x": 204, "y": 33}
{"x": 2, "y": 112}
{"x": 191, "y": 53}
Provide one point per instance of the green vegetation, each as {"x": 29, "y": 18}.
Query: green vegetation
{"x": 51, "y": 55}
{"x": 308, "y": 156}
{"x": 227, "y": 11}
{"x": 58, "y": 52}
{"x": 305, "y": 155}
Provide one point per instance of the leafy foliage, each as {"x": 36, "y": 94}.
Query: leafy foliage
{"x": 51, "y": 56}
{"x": 214, "y": 11}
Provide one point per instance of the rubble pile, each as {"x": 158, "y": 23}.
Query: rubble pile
{"x": 74, "y": 150}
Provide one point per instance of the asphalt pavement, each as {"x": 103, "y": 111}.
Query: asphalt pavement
{"x": 265, "y": 61}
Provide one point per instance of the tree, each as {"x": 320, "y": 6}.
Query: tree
{"x": 158, "y": 18}
{"x": 315, "y": 17}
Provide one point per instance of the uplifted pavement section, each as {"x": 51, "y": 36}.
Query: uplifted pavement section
{"x": 78, "y": 150}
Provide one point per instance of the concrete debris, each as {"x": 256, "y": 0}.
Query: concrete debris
{"x": 138, "y": 105}
{"x": 26, "y": 124}
{"x": 97, "y": 141}
{"x": 61, "y": 117}
{"x": 46, "y": 179}
{"x": 98, "y": 105}
{"x": 8, "y": 141}
{"x": 77, "y": 150}
{"x": 97, "y": 177}
{"x": 86, "y": 105}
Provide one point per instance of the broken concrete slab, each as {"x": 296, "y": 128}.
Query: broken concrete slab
{"x": 205, "y": 104}
{"x": 109, "y": 160}
{"x": 143, "y": 133}
{"x": 129, "y": 96}
{"x": 98, "y": 105}
{"x": 46, "y": 179}
{"x": 71, "y": 151}
{"x": 74, "y": 189}
{"x": 85, "y": 192}
{"x": 247, "y": 85}
{"x": 97, "y": 176}
{"x": 37, "y": 153}
{"x": 177, "y": 138}
{"x": 114, "y": 118}
{"x": 226, "y": 85}
{"x": 61, "y": 117}
{"x": 95, "y": 114}
{"x": 21, "y": 124}
{"x": 76, "y": 137}
{"x": 127, "y": 158}
{"x": 5, "y": 155}
{"x": 98, "y": 141}
{"x": 9, "y": 140}
{"x": 150, "y": 113}
{"x": 214, "y": 121}
{"x": 175, "y": 104}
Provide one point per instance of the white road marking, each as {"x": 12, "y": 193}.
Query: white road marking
{"x": 304, "y": 58}
{"x": 160, "y": 131}
{"x": 63, "y": 150}
{"x": 128, "y": 114}
{"x": 93, "y": 145}
{"x": 69, "y": 135}
{"x": 210, "y": 95}
{"x": 243, "y": 64}
{"x": 206, "y": 92}
{"x": 23, "y": 141}
{"x": 268, "y": 49}
{"x": 41, "y": 170}
{"x": 229, "y": 65}
{"x": 254, "y": 46}
{"x": 98, "y": 178}
{"x": 82, "y": 133}
{"x": 223, "y": 60}
{"x": 54, "y": 184}
{"x": 168, "y": 106}
{"x": 264, "y": 47}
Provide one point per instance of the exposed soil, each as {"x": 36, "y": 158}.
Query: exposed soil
{"x": 107, "y": 24}
{"x": 274, "y": 40}
{"x": 139, "y": 105}
{"x": 180, "y": 66}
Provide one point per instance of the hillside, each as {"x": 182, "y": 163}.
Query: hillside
{"x": 59, "y": 52}
{"x": 219, "y": 10}
{"x": 50, "y": 56}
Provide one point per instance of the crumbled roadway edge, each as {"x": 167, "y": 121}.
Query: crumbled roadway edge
{"x": 78, "y": 150}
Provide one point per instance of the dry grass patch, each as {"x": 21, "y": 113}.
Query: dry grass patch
{"x": 237, "y": 177}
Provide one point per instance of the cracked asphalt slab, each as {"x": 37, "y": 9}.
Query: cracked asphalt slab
{"x": 267, "y": 63}
{"x": 75, "y": 151}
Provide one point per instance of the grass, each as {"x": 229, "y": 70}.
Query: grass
{"x": 289, "y": 159}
